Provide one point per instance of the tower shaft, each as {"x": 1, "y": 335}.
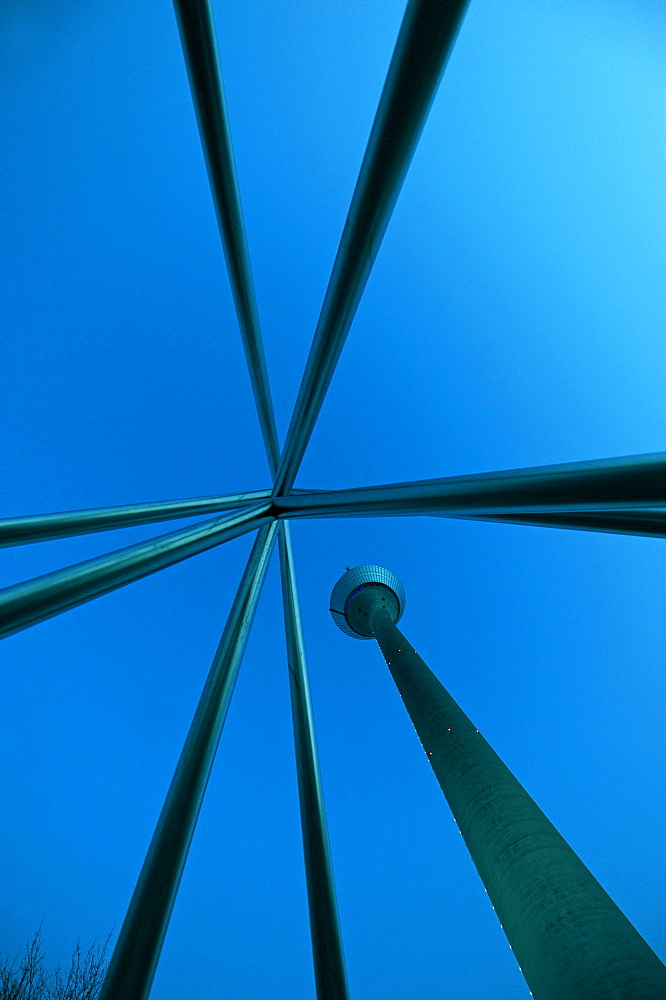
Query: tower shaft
{"x": 570, "y": 939}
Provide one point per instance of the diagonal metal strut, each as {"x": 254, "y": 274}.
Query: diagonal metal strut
{"x": 327, "y": 953}
{"x": 31, "y": 602}
{"x": 198, "y": 39}
{"x": 650, "y": 523}
{"x": 621, "y": 494}
{"x": 426, "y": 37}
{"x": 135, "y": 957}
{"x": 46, "y": 527}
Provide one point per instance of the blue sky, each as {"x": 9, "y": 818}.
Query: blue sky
{"x": 514, "y": 317}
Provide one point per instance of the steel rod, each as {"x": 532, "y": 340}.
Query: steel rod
{"x": 649, "y": 523}
{"x": 198, "y": 40}
{"x": 426, "y": 36}
{"x": 26, "y": 604}
{"x": 46, "y": 527}
{"x": 135, "y": 957}
{"x": 327, "y": 953}
{"x": 632, "y": 487}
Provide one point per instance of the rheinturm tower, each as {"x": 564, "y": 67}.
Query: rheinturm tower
{"x": 570, "y": 939}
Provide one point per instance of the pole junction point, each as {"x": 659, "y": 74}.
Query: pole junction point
{"x": 359, "y": 593}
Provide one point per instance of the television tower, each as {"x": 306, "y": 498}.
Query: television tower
{"x": 570, "y": 939}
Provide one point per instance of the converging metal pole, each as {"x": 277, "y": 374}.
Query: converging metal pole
{"x": 570, "y": 939}
{"x": 328, "y": 958}
{"x": 45, "y": 527}
{"x": 195, "y": 21}
{"x": 622, "y": 495}
{"x": 610, "y": 486}
{"x": 425, "y": 40}
{"x": 25, "y": 604}
{"x": 135, "y": 957}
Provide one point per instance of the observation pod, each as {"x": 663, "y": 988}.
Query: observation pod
{"x": 359, "y": 593}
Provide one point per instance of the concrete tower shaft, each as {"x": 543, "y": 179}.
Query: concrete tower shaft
{"x": 570, "y": 939}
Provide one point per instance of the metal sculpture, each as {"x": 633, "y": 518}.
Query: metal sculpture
{"x": 625, "y": 495}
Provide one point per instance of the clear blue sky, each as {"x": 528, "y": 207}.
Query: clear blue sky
{"x": 515, "y": 316}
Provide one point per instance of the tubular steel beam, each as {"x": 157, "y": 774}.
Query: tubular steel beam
{"x": 622, "y": 494}
{"x": 33, "y": 601}
{"x": 46, "y": 527}
{"x": 198, "y": 39}
{"x": 650, "y": 523}
{"x": 328, "y": 958}
{"x": 426, "y": 37}
{"x": 135, "y": 957}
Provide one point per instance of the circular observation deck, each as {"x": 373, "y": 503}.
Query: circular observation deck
{"x": 359, "y": 592}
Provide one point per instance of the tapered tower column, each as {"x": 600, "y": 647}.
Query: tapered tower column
{"x": 570, "y": 939}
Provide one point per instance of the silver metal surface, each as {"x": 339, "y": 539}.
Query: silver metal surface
{"x": 134, "y": 960}
{"x": 26, "y": 604}
{"x": 198, "y": 39}
{"x": 621, "y": 495}
{"x": 327, "y": 954}
{"x": 427, "y": 34}
{"x": 646, "y": 521}
{"x": 45, "y": 527}
{"x": 630, "y": 491}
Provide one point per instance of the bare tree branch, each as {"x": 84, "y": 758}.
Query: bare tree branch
{"x": 25, "y": 977}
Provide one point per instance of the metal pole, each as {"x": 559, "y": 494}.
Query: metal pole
{"x": 650, "y": 523}
{"x": 625, "y": 485}
{"x": 327, "y": 954}
{"x": 135, "y": 957}
{"x": 26, "y": 604}
{"x": 198, "y": 39}
{"x": 570, "y": 939}
{"x": 45, "y": 527}
{"x": 426, "y": 37}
